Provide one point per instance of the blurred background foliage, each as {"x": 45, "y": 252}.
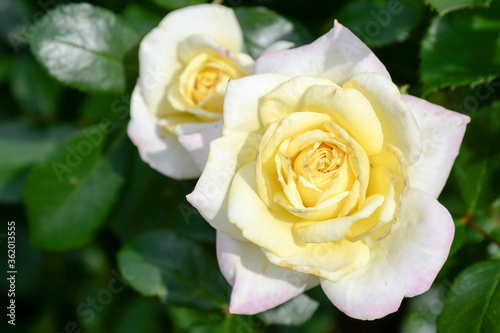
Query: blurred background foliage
{"x": 106, "y": 244}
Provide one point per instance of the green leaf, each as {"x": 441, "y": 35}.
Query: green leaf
{"x": 295, "y": 312}
{"x": 5, "y": 66}
{"x": 159, "y": 202}
{"x": 149, "y": 321}
{"x": 421, "y": 311}
{"x": 453, "y": 50}
{"x": 83, "y": 46}
{"x": 381, "y": 22}
{"x": 33, "y": 89}
{"x": 95, "y": 108}
{"x": 173, "y": 268}
{"x": 22, "y": 144}
{"x": 473, "y": 302}
{"x": 477, "y": 167}
{"x": 262, "y": 27}
{"x": 140, "y": 18}
{"x": 68, "y": 196}
{"x": 446, "y": 6}
{"x": 233, "y": 323}
{"x": 460, "y": 236}
{"x": 176, "y": 4}
{"x": 193, "y": 225}
{"x": 185, "y": 318}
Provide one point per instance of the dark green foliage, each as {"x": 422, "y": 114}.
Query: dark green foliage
{"x": 104, "y": 243}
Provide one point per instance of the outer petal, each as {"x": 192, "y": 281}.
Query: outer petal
{"x": 405, "y": 263}
{"x": 398, "y": 124}
{"x": 198, "y": 144}
{"x": 158, "y": 58}
{"x": 156, "y": 146}
{"x": 241, "y": 102}
{"x": 210, "y": 195}
{"x": 337, "y": 56}
{"x": 442, "y": 132}
{"x": 257, "y": 284}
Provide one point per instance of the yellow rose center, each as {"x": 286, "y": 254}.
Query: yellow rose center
{"x": 325, "y": 159}
{"x": 202, "y": 84}
{"x": 210, "y": 80}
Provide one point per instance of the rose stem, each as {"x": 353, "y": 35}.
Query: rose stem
{"x": 468, "y": 220}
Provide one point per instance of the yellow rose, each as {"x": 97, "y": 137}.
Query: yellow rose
{"x": 326, "y": 174}
{"x": 185, "y": 65}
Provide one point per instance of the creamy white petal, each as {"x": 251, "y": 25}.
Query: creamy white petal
{"x": 210, "y": 195}
{"x": 198, "y": 144}
{"x": 442, "y": 132}
{"x": 194, "y": 45}
{"x": 337, "y": 56}
{"x": 398, "y": 123}
{"x": 405, "y": 263}
{"x": 241, "y": 103}
{"x": 158, "y": 147}
{"x": 158, "y": 53}
{"x": 258, "y": 285}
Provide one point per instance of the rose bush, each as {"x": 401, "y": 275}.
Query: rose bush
{"x": 326, "y": 174}
{"x": 185, "y": 64}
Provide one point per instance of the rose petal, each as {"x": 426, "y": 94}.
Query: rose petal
{"x": 337, "y": 56}
{"x": 398, "y": 123}
{"x": 442, "y": 132}
{"x": 382, "y": 182}
{"x": 198, "y": 144}
{"x": 331, "y": 261}
{"x": 257, "y": 284}
{"x": 283, "y": 100}
{"x": 278, "y": 46}
{"x": 158, "y": 58}
{"x": 334, "y": 229}
{"x": 349, "y": 109}
{"x": 282, "y": 247}
{"x": 157, "y": 147}
{"x": 194, "y": 45}
{"x": 241, "y": 104}
{"x": 405, "y": 263}
{"x": 210, "y": 195}
{"x": 248, "y": 212}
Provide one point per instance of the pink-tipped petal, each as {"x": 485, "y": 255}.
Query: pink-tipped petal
{"x": 158, "y": 147}
{"x": 442, "y": 132}
{"x": 337, "y": 56}
{"x": 198, "y": 144}
{"x": 405, "y": 263}
{"x": 257, "y": 284}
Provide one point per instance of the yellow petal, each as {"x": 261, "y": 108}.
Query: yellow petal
{"x": 334, "y": 229}
{"x": 398, "y": 123}
{"x": 382, "y": 182}
{"x": 324, "y": 210}
{"x": 269, "y": 229}
{"x": 293, "y": 125}
{"x": 284, "y": 99}
{"x": 349, "y": 109}
{"x": 331, "y": 261}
